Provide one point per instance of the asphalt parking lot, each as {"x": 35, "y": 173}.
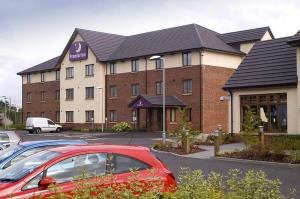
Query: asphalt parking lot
{"x": 288, "y": 175}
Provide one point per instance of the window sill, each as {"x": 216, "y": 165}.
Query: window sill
{"x": 70, "y": 122}
{"x": 112, "y": 122}
{"x": 28, "y": 102}
{"x": 113, "y": 98}
{"x": 89, "y": 98}
{"x": 186, "y": 94}
{"x": 173, "y": 123}
{"x": 43, "y": 101}
{"x": 89, "y": 76}
{"x": 69, "y": 78}
{"x": 69, "y": 100}
{"x": 133, "y": 96}
{"x": 187, "y": 66}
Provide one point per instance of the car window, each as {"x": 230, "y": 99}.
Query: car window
{"x": 50, "y": 122}
{"x": 124, "y": 164}
{"x": 34, "y": 183}
{"x": 4, "y": 137}
{"x": 89, "y": 165}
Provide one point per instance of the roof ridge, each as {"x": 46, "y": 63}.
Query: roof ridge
{"x": 78, "y": 29}
{"x": 268, "y": 27}
{"x": 198, "y": 34}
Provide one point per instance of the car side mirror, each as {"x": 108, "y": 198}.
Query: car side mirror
{"x": 46, "y": 182}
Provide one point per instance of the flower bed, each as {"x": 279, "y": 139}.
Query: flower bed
{"x": 176, "y": 148}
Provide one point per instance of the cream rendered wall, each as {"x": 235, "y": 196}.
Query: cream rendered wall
{"x": 246, "y": 47}
{"x": 36, "y": 77}
{"x": 292, "y": 112}
{"x": 221, "y": 59}
{"x": 267, "y": 36}
{"x": 79, "y": 105}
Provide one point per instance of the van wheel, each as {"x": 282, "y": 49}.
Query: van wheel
{"x": 58, "y": 130}
{"x": 38, "y": 131}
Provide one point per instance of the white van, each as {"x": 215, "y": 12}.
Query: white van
{"x": 41, "y": 124}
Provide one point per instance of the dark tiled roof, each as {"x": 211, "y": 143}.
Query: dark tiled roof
{"x": 180, "y": 38}
{"x": 45, "y": 66}
{"x": 157, "y": 101}
{"x": 295, "y": 40}
{"x": 269, "y": 63}
{"x": 245, "y": 35}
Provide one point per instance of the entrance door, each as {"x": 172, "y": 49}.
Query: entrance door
{"x": 159, "y": 121}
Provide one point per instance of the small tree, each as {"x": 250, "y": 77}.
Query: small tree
{"x": 248, "y": 133}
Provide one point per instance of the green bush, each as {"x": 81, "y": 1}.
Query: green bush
{"x": 17, "y": 127}
{"x": 249, "y": 126}
{"x": 121, "y": 127}
{"x": 279, "y": 143}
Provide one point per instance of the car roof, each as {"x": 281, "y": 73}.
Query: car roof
{"x": 46, "y": 142}
{"x": 99, "y": 147}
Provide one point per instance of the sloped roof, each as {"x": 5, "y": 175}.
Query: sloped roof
{"x": 157, "y": 101}
{"x": 45, "y": 66}
{"x": 295, "y": 40}
{"x": 255, "y": 34}
{"x": 180, "y": 38}
{"x": 269, "y": 63}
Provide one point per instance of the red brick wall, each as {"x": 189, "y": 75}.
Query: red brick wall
{"x": 215, "y": 111}
{"x": 50, "y": 106}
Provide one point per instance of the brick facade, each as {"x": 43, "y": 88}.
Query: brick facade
{"x": 50, "y": 106}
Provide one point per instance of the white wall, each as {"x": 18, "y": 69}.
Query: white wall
{"x": 79, "y": 105}
{"x": 221, "y": 59}
{"x": 292, "y": 111}
{"x": 36, "y": 77}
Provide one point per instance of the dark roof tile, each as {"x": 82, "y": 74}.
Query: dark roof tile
{"x": 45, "y": 66}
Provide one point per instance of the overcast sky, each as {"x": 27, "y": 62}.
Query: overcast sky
{"x": 32, "y": 31}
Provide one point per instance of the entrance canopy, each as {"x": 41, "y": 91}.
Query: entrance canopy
{"x": 145, "y": 101}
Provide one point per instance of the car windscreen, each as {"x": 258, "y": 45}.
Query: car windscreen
{"x": 4, "y": 137}
{"x": 9, "y": 151}
{"x": 26, "y": 166}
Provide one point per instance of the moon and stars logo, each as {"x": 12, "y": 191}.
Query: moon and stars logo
{"x": 78, "y": 51}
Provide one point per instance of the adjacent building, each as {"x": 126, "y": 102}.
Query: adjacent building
{"x": 267, "y": 82}
{"x": 103, "y": 78}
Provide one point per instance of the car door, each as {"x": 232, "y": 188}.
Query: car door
{"x": 68, "y": 171}
{"x": 51, "y": 126}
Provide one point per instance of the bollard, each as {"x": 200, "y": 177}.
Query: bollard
{"x": 186, "y": 145}
{"x": 217, "y": 143}
{"x": 262, "y": 137}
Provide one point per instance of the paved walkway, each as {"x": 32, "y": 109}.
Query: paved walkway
{"x": 209, "y": 153}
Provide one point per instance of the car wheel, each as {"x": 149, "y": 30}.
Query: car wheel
{"x": 58, "y": 130}
{"x": 38, "y": 131}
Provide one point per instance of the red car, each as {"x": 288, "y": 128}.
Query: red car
{"x": 31, "y": 176}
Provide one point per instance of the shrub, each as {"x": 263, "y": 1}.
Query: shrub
{"x": 121, "y": 127}
{"x": 279, "y": 143}
{"x": 249, "y": 131}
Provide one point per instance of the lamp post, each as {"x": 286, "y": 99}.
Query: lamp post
{"x": 102, "y": 122}
{"x": 155, "y": 57}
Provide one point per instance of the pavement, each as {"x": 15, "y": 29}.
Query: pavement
{"x": 288, "y": 175}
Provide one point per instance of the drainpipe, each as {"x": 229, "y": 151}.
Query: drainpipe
{"x": 146, "y": 65}
{"x": 201, "y": 92}
{"x": 231, "y": 111}
{"x": 106, "y": 90}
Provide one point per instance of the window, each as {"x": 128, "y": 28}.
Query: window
{"x": 89, "y": 116}
{"x": 69, "y": 116}
{"x": 188, "y": 115}
{"x": 89, "y": 92}
{"x": 134, "y": 115}
{"x": 69, "y": 94}
{"x": 187, "y": 86}
{"x": 57, "y": 95}
{"x": 135, "y": 65}
{"x": 34, "y": 183}
{"x": 113, "y": 91}
{"x": 173, "y": 115}
{"x": 50, "y": 122}
{"x": 57, "y": 116}
{"x": 135, "y": 88}
{"x": 43, "y": 114}
{"x": 70, "y": 169}
{"x": 43, "y": 96}
{"x": 42, "y": 76}
{"x": 28, "y": 78}
{"x": 113, "y": 116}
{"x": 69, "y": 72}
{"x": 159, "y": 63}
{"x": 89, "y": 70}
{"x": 113, "y": 68}
{"x": 159, "y": 88}
{"x": 28, "y": 114}
{"x": 57, "y": 75}
{"x": 124, "y": 164}
{"x": 187, "y": 58}
{"x": 29, "y": 97}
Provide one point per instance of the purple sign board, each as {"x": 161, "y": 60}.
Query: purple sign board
{"x": 78, "y": 51}
{"x": 141, "y": 103}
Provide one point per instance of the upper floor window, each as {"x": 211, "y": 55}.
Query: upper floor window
{"x": 69, "y": 116}
{"x": 89, "y": 116}
{"x": 43, "y": 96}
{"x": 57, "y": 95}
{"x": 187, "y": 86}
{"x": 57, "y": 75}
{"x": 28, "y": 78}
{"x": 29, "y": 97}
{"x": 159, "y": 88}
{"x": 159, "y": 63}
{"x": 42, "y": 76}
{"x": 89, "y": 92}
{"x": 187, "y": 58}
{"x": 135, "y": 65}
{"x": 135, "y": 88}
{"x": 112, "y": 68}
{"x": 113, "y": 91}
{"x": 69, "y": 94}
{"x": 89, "y": 70}
{"x": 70, "y": 72}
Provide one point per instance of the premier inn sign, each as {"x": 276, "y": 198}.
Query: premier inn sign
{"x": 78, "y": 51}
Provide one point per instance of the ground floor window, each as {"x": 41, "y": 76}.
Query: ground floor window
{"x": 134, "y": 115}
{"x": 69, "y": 116}
{"x": 89, "y": 116}
{"x": 188, "y": 115}
{"x": 28, "y": 114}
{"x": 57, "y": 116}
{"x": 113, "y": 116}
{"x": 43, "y": 114}
{"x": 271, "y": 110}
{"x": 173, "y": 115}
